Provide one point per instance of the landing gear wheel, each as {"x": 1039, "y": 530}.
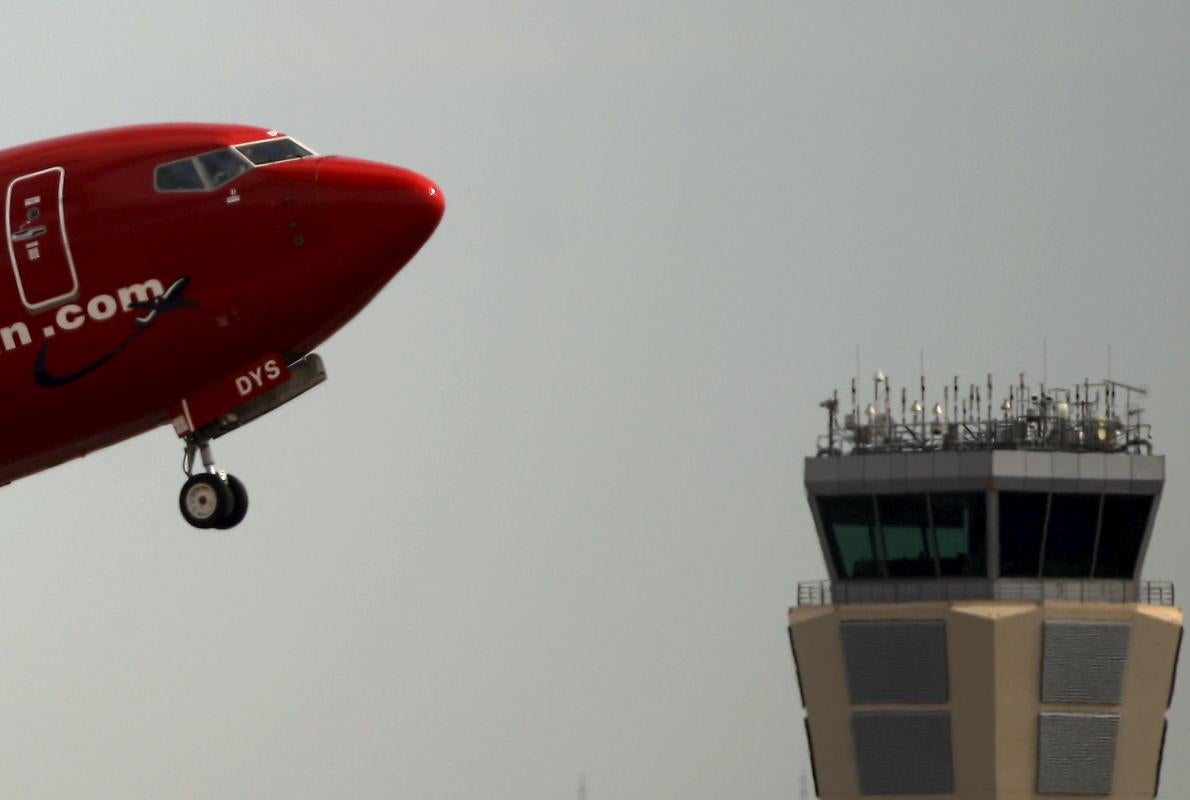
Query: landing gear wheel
{"x": 206, "y": 500}
{"x": 239, "y": 506}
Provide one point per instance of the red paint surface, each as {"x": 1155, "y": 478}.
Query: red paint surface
{"x": 305, "y": 247}
{"x": 229, "y": 392}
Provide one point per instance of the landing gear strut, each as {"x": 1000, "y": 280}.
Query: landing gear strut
{"x": 210, "y": 498}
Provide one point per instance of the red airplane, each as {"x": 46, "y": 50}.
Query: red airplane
{"x": 184, "y": 274}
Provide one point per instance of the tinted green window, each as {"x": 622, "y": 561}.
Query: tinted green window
{"x": 1070, "y": 539}
{"x": 905, "y": 523}
{"x": 1125, "y": 517}
{"x": 1022, "y": 525}
{"x": 959, "y": 531}
{"x": 850, "y": 524}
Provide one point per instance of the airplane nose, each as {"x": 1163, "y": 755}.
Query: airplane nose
{"x": 411, "y": 193}
{"x": 382, "y": 195}
{"x": 433, "y": 204}
{"x": 437, "y": 201}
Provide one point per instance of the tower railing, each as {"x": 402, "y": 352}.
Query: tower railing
{"x": 1029, "y": 590}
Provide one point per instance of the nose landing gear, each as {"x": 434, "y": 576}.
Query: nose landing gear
{"x": 211, "y": 498}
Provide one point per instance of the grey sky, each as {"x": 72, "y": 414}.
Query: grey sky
{"x": 546, "y": 515}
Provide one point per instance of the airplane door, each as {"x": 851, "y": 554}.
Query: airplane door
{"x": 37, "y": 244}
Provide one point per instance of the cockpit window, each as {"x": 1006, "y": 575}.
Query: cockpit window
{"x": 212, "y": 169}
{"x": 179, "y": 176}
{"x": 222, "y": 166}
{"x": 273, "y": 150}
{"x": 202, "y": 172}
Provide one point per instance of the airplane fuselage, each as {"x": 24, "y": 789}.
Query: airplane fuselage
{"x": 139, "y": 274}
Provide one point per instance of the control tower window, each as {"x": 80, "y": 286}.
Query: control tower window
{"x": 960, "y": 532}
{"x": 905, "y": 524}
{"x": 899, "y": 542}
{"x": 850, "y": 524}
{"x": 1022, "y": 528}
{"x": 272, "y": 151}
{"x": 1070, "y": 539}
{"x": 1125, "y": 518}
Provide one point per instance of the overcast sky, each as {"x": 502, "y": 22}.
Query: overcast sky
{"x": 545, "y": 518}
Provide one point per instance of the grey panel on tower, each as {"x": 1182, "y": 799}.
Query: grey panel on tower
{"x": 877, "y": 469}
{"x": 1008, "y": 468}
{"x": 895, "y": 661}
{"x": 1092, "y": 472}
{"x": 1077, "y": 753}
{"x": 1084, "y": 661}
{"x": 823, "y": 471}
{"x": 903, "y": 752}
{"x": 1064, "y": 477}
{"x": 1148, "y": 473}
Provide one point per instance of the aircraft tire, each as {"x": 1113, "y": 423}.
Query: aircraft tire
{"x": 205, "y": 500}
{"x": 239, "y": 506}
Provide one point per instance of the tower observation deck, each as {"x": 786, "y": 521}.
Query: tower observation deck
{"x": 985, "y": 631}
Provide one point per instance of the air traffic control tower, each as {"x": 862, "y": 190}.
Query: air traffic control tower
{"x": 985, "y": 632}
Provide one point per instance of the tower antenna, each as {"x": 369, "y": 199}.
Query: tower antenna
{"x": 857, "y": 372}
{"x": 1045, "y": 363}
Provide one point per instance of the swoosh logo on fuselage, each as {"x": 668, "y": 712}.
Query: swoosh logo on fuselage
{"x": 174, "y": 299}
